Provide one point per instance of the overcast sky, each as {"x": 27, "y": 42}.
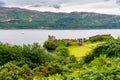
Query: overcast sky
{"x": 99, "y": 6}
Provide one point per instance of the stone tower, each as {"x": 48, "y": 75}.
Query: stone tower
{"x": 51, "y": 38}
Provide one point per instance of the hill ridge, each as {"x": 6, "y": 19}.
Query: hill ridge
{"x": 19, "y": 18}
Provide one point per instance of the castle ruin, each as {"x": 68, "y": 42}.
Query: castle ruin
{"x": 51, "y": 38}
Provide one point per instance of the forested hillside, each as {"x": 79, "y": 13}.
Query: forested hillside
{"x": 16, "y": 18}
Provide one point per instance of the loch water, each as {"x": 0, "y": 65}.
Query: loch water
{"x": 29, "y": 36}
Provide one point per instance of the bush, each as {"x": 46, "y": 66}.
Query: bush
{"x": 101, "y": 68}
{"x": 110, "y": 49}
{"x": 62, "y": 43}
{"x": 73, "y": 59}
{"x": 48, "y": 69}
{"x": 9, "y": 53}
{"x": 104, "y": 37}
{"x": 62, "y": 51}
{"x": 12, "y": 72}
{"x": 50, "y": 45}
{"x": 33, "y": 55}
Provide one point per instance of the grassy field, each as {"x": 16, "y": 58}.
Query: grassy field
{"x": 80, "y": 51}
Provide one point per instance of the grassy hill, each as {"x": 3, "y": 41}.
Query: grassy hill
{"x": 16, "y": 18}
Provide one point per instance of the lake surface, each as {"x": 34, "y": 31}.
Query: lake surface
{"x": 30, "y": 36}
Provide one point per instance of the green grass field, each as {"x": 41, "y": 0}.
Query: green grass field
{"x": 80, "y": 51}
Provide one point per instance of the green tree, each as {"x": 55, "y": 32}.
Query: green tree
{"x": 62, "y": 51}
{"x": 33, "y": 55}
{"x": 49, "y": 45}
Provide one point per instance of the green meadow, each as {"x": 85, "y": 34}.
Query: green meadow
{"x": 80, "y": 51}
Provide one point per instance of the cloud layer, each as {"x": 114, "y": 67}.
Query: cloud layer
{"x": 100, "y": 6}
{"x": 2, "y": 3}
{"x": 118, "y": 2}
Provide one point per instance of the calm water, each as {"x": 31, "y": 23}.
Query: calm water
{"x": 30, "y": 36}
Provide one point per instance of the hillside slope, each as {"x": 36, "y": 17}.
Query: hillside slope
{"x": 16, "y": 18}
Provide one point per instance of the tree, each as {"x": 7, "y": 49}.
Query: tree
{"x": 50, "y": 45}
{"x": 62, "y": 51}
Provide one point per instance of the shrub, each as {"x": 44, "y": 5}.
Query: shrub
{"x": 9, "y": 53}
{"x": 101, "y": 68}
{"x": 110, "y": 49}
{"x": 104, "y": 37}
{"x": 33, "y": 55}
{"x": 48, "y": 69}
{"x": 73, "y": 59}
{"x": 50, "y": 45}
{"x": 62, "y": 43}
{"x": 62, "y": 51}
{"x": 12, "y": 72}
{"x": 51, "y": 77}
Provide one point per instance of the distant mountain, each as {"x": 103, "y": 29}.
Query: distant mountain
{"x": 16, "y": 18}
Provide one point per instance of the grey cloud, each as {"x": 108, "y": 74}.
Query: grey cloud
{"x": 2, "y": 3}
{"x": 48, "y": 5}
{"x": 56, "y": 6}
{"x": 39, "y": 3}
{"x": 52, "y": 3}
{"x": 106, "y": 0}
{"x": 118, "y": 2}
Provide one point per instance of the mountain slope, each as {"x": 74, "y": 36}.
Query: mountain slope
{"x": 16, "y": 18}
